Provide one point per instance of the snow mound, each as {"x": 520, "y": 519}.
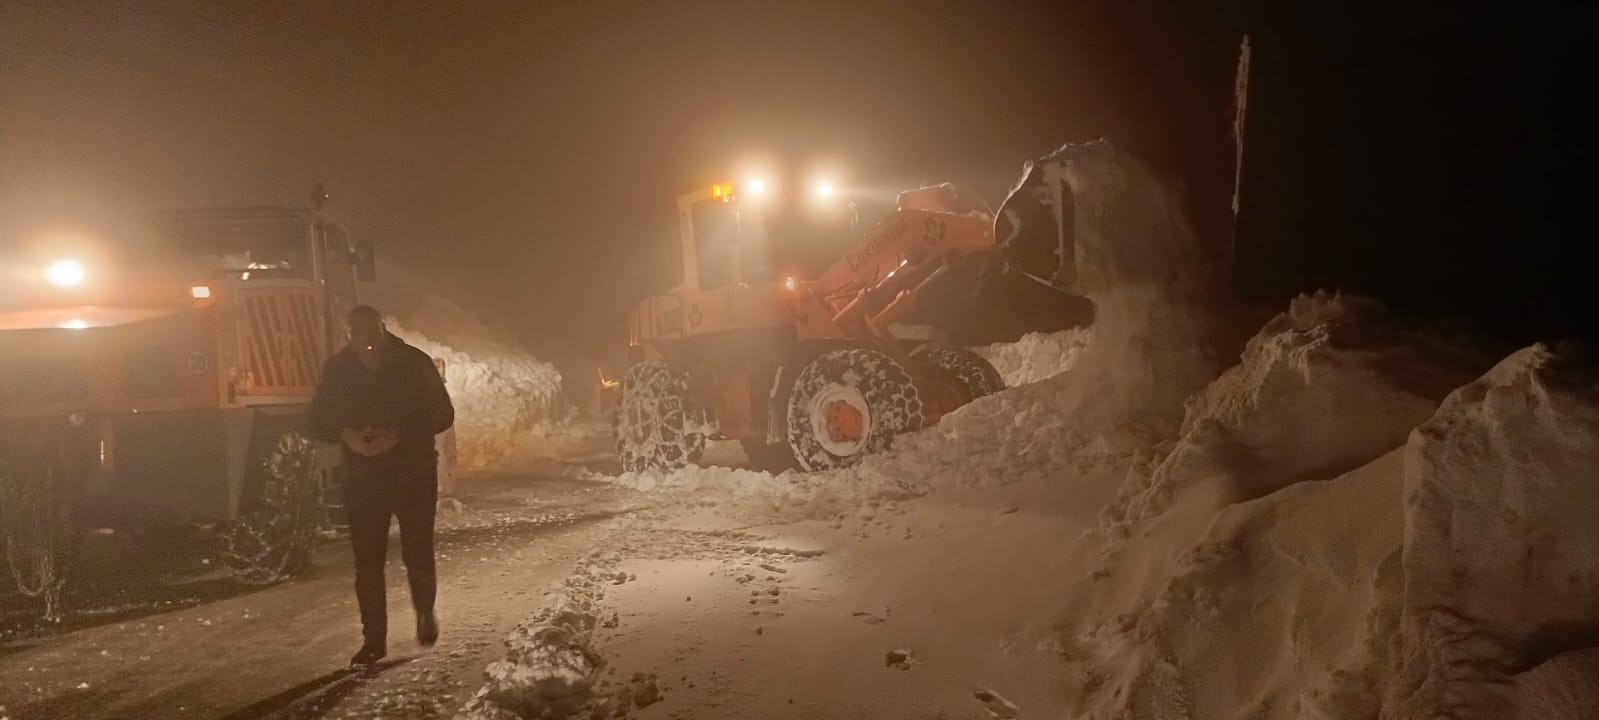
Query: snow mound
{"x": 502, "y": 395}
{"x": 1323, "y": 388}
{"x": 1239, "y": 614}
{"x": 1451, "y": 577}
{"x": 1036, "y": 356}
{"x": 1502, "y": 489}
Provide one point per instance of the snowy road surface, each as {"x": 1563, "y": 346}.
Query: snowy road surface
{"x": 278, "y": 652}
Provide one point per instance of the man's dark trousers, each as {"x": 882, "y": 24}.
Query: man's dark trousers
{"x": 370, "y": 499}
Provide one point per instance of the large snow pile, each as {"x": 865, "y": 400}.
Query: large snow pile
{"x": 1450, "y": 578}
{"x": 1502, "y": 492}
{"x": 503, "y": 397}
{"x": 1036, "y": 356}
{"x": 1322, "y": 388}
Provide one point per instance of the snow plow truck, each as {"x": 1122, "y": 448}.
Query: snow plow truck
{"x": 167, "y": 382}
{"x": 803, "y": 339}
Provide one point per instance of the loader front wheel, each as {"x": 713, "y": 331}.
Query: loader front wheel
{"x": 272, "y": 538}
{"x": 975, "y": 375}
{"x": 847, "y": 404}
{"x": 659, "y": 422}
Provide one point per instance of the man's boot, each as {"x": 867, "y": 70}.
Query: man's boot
{"x": 427, "y": 629}
{"x": 369, "y": 654}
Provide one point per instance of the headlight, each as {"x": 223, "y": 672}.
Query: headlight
{"x": 66, "y": 273}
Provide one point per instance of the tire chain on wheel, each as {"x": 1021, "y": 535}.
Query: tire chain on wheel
{"x": 892, "y": 398}
{"x": 975, "y": 374}
{"x": 36, "y": 516}
{"x": 272, "y": 538}
{"x": 677, "y": 438}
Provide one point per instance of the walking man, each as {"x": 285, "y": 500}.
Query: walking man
{"x": 385, "y": 402}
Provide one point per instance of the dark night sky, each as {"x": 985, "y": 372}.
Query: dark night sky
{"x": 524, "y": 156}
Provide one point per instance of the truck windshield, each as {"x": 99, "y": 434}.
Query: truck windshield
{"x": 770, "y": 241}
{"x": 803, "y": 243}
{"x": 715, "y": 226}
{"x": 265, "y": 246}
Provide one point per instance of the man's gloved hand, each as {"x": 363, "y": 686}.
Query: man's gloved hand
{"x": 369, "y": 441}
{"x": 354, "y": 440}
{"x": 382, "y": 440}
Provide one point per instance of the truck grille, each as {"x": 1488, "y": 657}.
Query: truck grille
{"x": 282, "y": 341}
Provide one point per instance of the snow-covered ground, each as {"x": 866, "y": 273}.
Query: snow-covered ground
{"x": 1036, "y": 356}
{"x": 1351, "y": 518}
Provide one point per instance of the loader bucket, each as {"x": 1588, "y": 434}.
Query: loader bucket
{"x": 1027, "y": 283}
{"x": 1033, "y": 229}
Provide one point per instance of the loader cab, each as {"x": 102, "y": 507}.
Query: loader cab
{"x": 731, "y": 236}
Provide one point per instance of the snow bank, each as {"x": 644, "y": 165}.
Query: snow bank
{"x": 503, "y": 397}
{"x": 1502, "y": 492}
{"x": 1036, "y": 356}
{"x": 1323, "y": 388}
{"x": 1238, "y": 614}
{"x": 1451, "y": 577}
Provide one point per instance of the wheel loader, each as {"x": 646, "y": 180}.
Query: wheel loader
{"x": 806, "y": 341}
{"x": 163, "y": 382}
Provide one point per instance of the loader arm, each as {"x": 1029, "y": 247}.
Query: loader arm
{"x": 907, "y": 239}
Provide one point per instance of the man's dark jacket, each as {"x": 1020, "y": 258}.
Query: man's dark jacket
{"x": 405, "y": 394}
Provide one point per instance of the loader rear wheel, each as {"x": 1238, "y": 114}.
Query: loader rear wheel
{"x": 659, "y": 422}
{"x": 847, "y": 404}
{"x": 271, "y": 540}
{"x": 969, "y": 370}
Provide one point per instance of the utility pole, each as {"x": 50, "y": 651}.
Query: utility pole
{"x": 1240, "y": 125}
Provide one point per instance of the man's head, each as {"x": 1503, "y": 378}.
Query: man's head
{"x": 367, "y": 334}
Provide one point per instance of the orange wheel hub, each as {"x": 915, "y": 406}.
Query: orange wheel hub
{"x": 845, "y": 423}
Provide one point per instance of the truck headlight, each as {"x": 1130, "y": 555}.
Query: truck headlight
{"x": 66, "y": 273}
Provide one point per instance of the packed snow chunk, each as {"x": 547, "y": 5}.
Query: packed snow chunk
{"x": 1502, "y": 492}
{"x": 1036, "y": 356}
{"x": 503, "y": 397}
{"x": 554, "y": 669}
{"x": 550, "y": 666}
{"x": 1324, "y": 387}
